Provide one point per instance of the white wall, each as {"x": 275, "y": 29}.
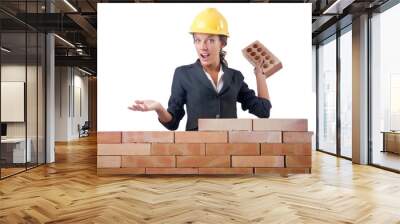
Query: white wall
{"x": 12, "y": 101}
{"x": 80, "y": 103}
{"x": 70, "y": 83}
{"x": 15, "y": 72}
{"x": 62, "y": 81}
{"x": 140, "y": 45}
{"x": 33, "y": 127}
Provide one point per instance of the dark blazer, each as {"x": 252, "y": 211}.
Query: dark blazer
{"x": 191, "y": 86}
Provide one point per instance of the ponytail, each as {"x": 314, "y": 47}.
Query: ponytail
{"x": 222, "y": 53}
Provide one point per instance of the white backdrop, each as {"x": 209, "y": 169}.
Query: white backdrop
{"x": 140, "y": 45}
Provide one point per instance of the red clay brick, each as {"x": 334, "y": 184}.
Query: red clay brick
{"x": 298, "y": 161}
{"x": 148, "y": 161}
{"x": 243, "y": 149}
{"x": 277, "y": 149}
{"x": 203, "y": 161}
{"x": 119, "y": 171}
{"x": 108, "y": 137}
{"x": 186, "y": 149}
{"x": 225, "y": 124}
{"x": 255, "y": 137}
{"x": 281, "y": 170}
{"x": 172, "y": 170}
{"x": 297, "y": 137}
{"x": 123, "y": 149}
{"x": 108, "y": 161}
{"x": 257, "y": 161}
{"x": 148, "y": 136}
{"x": 225, "y": 170}
{"x": 280, "y": 124}
{"x": 201, "y": 137}
{"x": 256, "y": 52}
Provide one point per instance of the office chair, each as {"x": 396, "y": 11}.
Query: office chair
{"x": 84, "y": 130}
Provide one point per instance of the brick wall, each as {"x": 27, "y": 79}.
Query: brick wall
{"x": 221, "y": 146}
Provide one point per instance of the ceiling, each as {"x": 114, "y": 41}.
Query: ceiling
{"x": 76, "y": 22}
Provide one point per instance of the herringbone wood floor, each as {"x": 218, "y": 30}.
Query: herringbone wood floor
{"x": 69, "y": 191}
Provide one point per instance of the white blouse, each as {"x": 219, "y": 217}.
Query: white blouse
{"x": 220, "y": 82}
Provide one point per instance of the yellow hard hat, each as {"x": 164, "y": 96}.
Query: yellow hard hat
{"x": 210, "y": 21}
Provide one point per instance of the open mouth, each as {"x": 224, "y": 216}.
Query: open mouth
{"x": 204, "y": 56}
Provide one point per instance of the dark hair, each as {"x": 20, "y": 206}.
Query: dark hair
{"x": 222, "y": 53}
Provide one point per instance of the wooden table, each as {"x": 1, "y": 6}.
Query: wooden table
{"x": 391, "y": 141}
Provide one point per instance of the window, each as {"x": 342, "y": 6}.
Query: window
{"x": 22, "y": 66}
{"x": 385, "y": 88}
{"x": 327, "y": 96}
{"x": 346, "y": 93}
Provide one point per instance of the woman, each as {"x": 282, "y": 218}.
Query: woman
{"x": 209, "y": 88}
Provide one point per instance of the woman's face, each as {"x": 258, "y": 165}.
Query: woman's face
{"x": 208, "y": 47}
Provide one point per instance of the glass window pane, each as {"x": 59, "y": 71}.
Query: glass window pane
{"x": 346, "y": 94}
{"x": 386, "y": 88}
{"x": 41, "y": 98}
{"x": 31, "y": 101}
{"x": 13, "y": 87}
{"x": 32, "y": 86}
{"x": 327, "y": 97}
{"x": 23, "y": 89}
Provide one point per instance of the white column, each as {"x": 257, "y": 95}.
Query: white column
{"x": 50, "y": 100}
{"x": 50, "y": 91}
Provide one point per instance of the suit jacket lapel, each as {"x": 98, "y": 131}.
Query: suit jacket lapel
{"x": 227, "y": 78}
{"x": 201, "y": 76}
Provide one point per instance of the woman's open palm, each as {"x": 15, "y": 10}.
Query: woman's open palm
{"x": 144, "y": 105}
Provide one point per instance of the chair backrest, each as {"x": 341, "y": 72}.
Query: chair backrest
{"x": 86, "y": 125}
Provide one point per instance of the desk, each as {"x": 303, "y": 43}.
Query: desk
{"x": 15, "y": 148}
{"x": 391, "y": 141}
